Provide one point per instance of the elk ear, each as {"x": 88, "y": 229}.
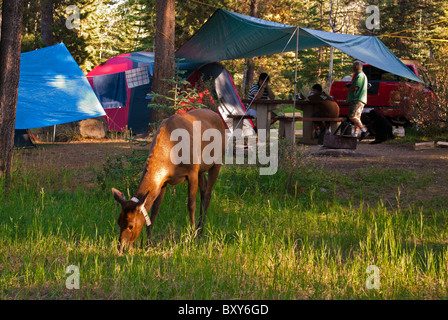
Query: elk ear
{"x": 118, "y": 196}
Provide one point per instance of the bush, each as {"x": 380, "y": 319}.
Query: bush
{"x": 426, "y": 110}
{"x": 122, "y": 172}
{"x": 440, "y": 87}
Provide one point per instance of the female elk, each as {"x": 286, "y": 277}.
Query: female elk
{"x": 160, "y": 170}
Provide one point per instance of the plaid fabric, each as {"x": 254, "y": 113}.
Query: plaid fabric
{"x": 137, "y": 77}
{"x": 254, "y": 90}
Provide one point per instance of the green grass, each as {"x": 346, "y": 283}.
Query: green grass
{"x": 304, "y": 233}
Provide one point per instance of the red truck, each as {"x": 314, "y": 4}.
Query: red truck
{"x": 383, "y": 91}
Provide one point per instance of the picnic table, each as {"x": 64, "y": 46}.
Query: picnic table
{"x": 264, "y": 108}
{"x": 287, "y": 125}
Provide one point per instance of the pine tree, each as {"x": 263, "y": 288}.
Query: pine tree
{"x": 9, "y": 80}
{"x": 140, "y": 14}
{"x": 47, "y": 22}
{"x": 30, "y": 26}
{"x": 399, "y": 15}
{"x": 163, "y": 55}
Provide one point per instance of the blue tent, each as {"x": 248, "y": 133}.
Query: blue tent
{"x": 53, "y": 90}
{"x": 229, "y": 35}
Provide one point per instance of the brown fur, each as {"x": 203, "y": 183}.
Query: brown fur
{"x": 159, "y": 171}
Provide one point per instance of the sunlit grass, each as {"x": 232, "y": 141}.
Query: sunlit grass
{"x": 293, "y": 235}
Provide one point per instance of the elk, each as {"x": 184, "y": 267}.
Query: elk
{"x": 160, "y": 171}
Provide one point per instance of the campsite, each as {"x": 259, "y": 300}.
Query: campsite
{"x": 343, "y": 216}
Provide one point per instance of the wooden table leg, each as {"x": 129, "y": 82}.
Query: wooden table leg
{"x": 263, "y": 119}
{"x": 308, "y": 125}
{"x": 287, "y": 130}
{"x": 281, "y": 129}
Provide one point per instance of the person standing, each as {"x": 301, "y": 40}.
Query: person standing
{"x": 357, "y": 99}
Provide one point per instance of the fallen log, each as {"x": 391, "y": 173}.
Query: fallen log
{"x": 424, "y": 145}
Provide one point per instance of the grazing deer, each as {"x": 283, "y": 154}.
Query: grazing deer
{"x": 160, "y": 171}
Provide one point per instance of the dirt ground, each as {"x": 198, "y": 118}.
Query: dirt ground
{"x": 92, "y": 153}
{"x": 85, "y": 155}
{"x": 72, "y": 155}
{"x": 388, "y": 155}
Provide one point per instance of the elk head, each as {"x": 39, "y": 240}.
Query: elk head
{"x": 132, "y": 217}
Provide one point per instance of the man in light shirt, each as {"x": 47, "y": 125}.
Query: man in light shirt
{"x": 357, "y": 99}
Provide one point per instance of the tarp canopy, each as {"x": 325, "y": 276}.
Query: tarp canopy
{"x": 53, "y": 90}
{"x": 229, "y": 35}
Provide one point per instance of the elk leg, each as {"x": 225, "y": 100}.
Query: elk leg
{"x": 192, "y": 191}
{"x": 202, "y": 189}
{"x": 212, "y": 177}
{"x": 154, "y": 210}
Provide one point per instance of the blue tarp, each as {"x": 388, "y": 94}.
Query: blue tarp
{"x": 53, "y": 90}
{"x": 229, "y": 35}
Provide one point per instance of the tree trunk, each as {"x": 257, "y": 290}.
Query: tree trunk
{"x": 250, "y": 63}
{"x": 163, "y": 55}
{"x": 46, "y": 31}
{"x": 319, "y": 59}
{"x": 9, "y": 80}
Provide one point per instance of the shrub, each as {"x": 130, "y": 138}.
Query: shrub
{"x": 426, "y": 110}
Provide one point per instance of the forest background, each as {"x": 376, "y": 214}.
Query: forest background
{"x": 108, "y": 28}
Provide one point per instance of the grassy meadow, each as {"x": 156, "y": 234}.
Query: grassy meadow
{"x": 304, "y": 233}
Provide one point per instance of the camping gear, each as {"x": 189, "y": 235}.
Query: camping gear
{"x": 228, "y": 35}
{"x": 53, "y": 90}
{"x": 125, "y": 107}
{"x": 227, "y": 94}
{"x": 122, "y": 85}
{"x": 342, "y": 137}
{"x": 378, "y": 125}
{"x": 339, "y": 142}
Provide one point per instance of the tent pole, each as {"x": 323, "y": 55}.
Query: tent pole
{"x": 295, "y": 90}
{"x": 330, "y": 73}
